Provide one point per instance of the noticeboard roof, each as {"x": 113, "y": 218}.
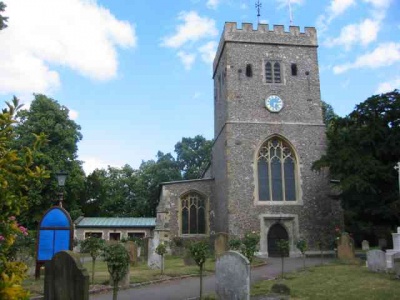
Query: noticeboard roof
{"x": 115, "y": 222}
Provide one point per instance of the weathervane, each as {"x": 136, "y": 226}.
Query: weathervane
{"x": 258, "y": 7}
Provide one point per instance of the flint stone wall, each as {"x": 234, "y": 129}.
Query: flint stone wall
{"x": 232, "y": 272}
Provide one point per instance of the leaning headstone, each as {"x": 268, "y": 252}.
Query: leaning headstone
{"x": 396, "y": 264}
{"x": 346, "y": 247}
{"x": 154, "y": 260}
{"x": 232, "y": 272}
{"x": 221, "y": 243}
{"x": 365, "y": 245}
{"x": 66, "y": 278}
{"x": 376, "y": 260}
{"x": 132, "y": 252}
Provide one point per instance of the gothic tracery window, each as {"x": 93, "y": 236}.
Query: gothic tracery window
{"x": 273, "y": 72}
{"x": 193, "y": 212}
{"x": 276, "y": 166}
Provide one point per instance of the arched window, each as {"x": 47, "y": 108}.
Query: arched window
{"x": 277, "y": 167}
{"x": 277, "y": 72}
{"x": 268, "y": 72}
{"x": 193, "y": 210}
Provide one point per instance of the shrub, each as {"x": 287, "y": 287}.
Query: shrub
{"x": 94, "y": 246}
{"x": 161, "y": 250}
{"x": 199, "y": 252}
{"x": 117, "y": 259}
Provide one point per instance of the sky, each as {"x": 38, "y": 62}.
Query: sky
{"x": 136, "y": 75}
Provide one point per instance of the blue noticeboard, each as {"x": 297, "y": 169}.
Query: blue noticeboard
{"x": 55, "y": 233}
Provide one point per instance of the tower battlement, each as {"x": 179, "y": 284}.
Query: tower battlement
{"x": 263, "y": 35}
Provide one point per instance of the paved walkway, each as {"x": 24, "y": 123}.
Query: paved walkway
{"x": 188, "y": 288}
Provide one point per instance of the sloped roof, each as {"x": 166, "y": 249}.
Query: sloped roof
{"x": 115, "y": 222}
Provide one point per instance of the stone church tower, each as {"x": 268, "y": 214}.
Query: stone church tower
{"x": 268, "y": 130}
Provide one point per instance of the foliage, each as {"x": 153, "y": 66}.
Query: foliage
{"x": 161, "y": 250}
{"x": 193, "y": 156}
{"x": 283, "y": 247}
{"x": 17, "y": 172}
{"x": 47, "y": 117}
{"x": 94, "y": 246}
{"x": 250, "y": 242}
{"x": 247, "y": 245}
{"x": 302, "y": 246}
{"x": 199, "y": 251}
{"x": 3, "y": 19}
{"x": 117, "y": 259}
{"x": 363, "y": 149}
{"x": 235, "y": 244}
{"x": 328, "y": 114}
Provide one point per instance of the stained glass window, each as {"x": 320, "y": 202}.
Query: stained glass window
{"x": 276, "y": 171}
{"x": 193, "y": 214}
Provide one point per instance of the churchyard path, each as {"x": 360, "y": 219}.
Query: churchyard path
{"x": 188, "y": 288}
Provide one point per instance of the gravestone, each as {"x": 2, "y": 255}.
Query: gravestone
{"x": 232, "y": 272}
{"x": 221, "y": 243}
{"x": 376, "y": 260}
{"x": 382, "y": 243}
{"x": 66, "y": 278}
{"x": 365, "y": 245}
{"x": 346, "y": 247}
{"x": 132, "y": 249}
{"x": 396, "y": 249}
{"x": 154, "y": 260}
{"x": 396, "y": 264}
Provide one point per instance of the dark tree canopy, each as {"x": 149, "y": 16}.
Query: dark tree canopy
{"x": 363, "y": 149}
{"x": 328, "y": 114}
{"x": 47, "y": 116}
{"x": 193, "y": 156}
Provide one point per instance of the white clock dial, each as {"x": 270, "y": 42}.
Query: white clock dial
{"x": 273, "y": 103}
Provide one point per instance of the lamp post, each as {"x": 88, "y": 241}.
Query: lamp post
{"x": 61, "y": 178}
{"x": 397, "y": 167}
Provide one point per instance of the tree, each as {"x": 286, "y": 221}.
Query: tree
{"x": 199, "y": 251}
{"x": 302, "y": 246}
{"x": 328, "y": 114}
{"x": 94, "y": 246}
{"x": 150, "y": 174}
{"x": 46, "y": 116}
{"x": 193, "y": 156}
{"x": 161, "y": 250}
{"x": 3, "y": 19}
{"x": 117, "y": 259}
{"x": 17, "y": 171}
{"x": 284, "y": 247}
{"x": 363, "y": 149}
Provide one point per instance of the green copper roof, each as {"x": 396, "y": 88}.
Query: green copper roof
{"x": 115, "y": 222}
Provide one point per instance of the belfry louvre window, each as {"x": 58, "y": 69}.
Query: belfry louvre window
{"x": 193, "y": 214}
{"x": 276, "y": 171}
{"x": 273, "y": 72}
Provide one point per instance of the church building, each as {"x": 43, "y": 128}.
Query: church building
{"x": 268, "y": 130}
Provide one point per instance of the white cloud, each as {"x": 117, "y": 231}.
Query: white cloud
{"x": 78, "y": 34}
{"x": 335, "y": 9}
{"x": 384, "y": 55}
{"x": 213, "y": 4}
{"x": 388, "y": 86}
{"x": 187, "y": 59}
{"x": 73, "y": 114}
{"x": 379, "y": 3}
{"x": 363, "y": 33}
{"x": 208, "y": 51}
{"x": 92, "y": 163}
{"x": 193, "y": 29}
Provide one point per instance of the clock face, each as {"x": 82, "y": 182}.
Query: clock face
{"x": 273, "y": 103}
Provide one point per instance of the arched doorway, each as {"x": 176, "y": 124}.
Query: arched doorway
{"x": 276, "y": 232}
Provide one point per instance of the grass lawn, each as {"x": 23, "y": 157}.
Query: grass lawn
{"x": 336, "y": 281}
